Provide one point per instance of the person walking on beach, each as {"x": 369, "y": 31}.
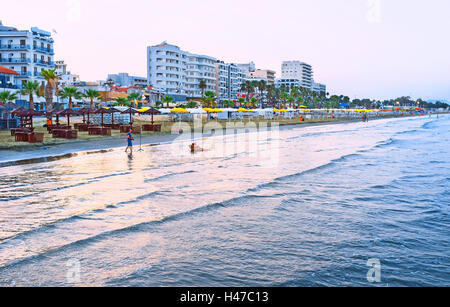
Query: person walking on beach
{"x": 130, "y": 140}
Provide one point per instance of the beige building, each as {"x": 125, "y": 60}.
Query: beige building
{"x": 260, "y": 74}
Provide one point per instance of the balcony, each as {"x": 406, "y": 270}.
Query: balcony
{"x": 44, "y": 63}
{"x": 6, "y": 85}
{"x": 44, "y": 50}
{"x": 14, "y": 47}
{"x": 15, "y": 60}
{"x": 25, "y": 74}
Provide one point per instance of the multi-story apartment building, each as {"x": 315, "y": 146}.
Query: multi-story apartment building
{"x": 263, "y": 74}
{"x": 125, "y": 80}
{"x": 247, "y": 68}
{"x": 166, "y": 69}
{"x": 229, "y": 79}
{"x": 320, "y": 88}
{"x": 298, "y": 73}
{"x": 66, "y": 78}
{"x": 26, "y": 51}
{"x": 200, "y": 68}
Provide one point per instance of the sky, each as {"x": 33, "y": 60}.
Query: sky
{"x": 376, "y": 49}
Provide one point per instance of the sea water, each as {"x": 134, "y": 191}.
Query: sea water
{"x": 338, "y": 199}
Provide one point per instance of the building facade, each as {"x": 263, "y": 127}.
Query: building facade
{"x": 27, "y": 52}
{"x": 66, "y": 78}
{"x": 200, "y": 68}
{"x": 263, "y": 74}
{"x": 229, "y": 79}
{"x": 166, "y": 69}
{"x": 125, "y": 80}
{"x": 296, "y": 72}
{"x": 320, "y": 88}
{"x": 247, "y": 68}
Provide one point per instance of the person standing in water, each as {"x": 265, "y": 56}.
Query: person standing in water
{"x": 194, "y": 148}
{"x": 130, "y": 140}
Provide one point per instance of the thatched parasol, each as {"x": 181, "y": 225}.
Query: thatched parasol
{"x": 130, "y": 111}
{"x": 68, "y": 113}
{"x": 151, "y": 111}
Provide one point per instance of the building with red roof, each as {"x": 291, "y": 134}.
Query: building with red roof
{"x": 7, "y": 77}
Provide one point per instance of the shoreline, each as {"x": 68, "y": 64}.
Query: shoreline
{"x": 31, "y": 154}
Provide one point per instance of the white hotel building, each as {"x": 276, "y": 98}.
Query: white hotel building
{"x": 178, "y": 73}
{"x": 198, "y": 68}
{"x": 26, "y": 51}
{"x": 296, "y": 74}
{"x": 229, "y": 79}
{"x": 166, "y": 69}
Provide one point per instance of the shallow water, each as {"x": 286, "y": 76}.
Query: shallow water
{"x": 334, "y": 197}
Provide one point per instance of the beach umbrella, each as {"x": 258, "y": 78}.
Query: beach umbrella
{"x": 104, "y": 111}
{"x": 197, "y": 111}
{"x": 68, "y": 113}
{"x": 10, "y": 106}
{"x": 113, "y": 110}
{"x": 18, "y": 112}
{"x": 130, "y": 111}
{"x": 150, "y": 111}
{"x": 179, "y": 110}
{"x": 85, "y": 111}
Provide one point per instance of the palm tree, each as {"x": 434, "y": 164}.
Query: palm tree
{"x": 284, "y": 96}
{"x": 70, "y": 93}
{"x": 253, "y": 102}
{"x": 191, "y": 104}
{"x": 262, "y": 87}
{"x": 209, "y": 99}
{"x": 92, "y": 95}
{"x": 249, "y": 87}
{"x": 291, "y": 101}
{"x": 30, "y": 88}
{"x": 122, "y": 101}
{"x": 52, "y": 78}
{"x": 7, "y": 97}
{"x": 203, "y": 86}
{"x": 134, "y": 97}
{"x": 167, "y": 99}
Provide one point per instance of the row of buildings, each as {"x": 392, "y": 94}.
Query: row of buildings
{"x": 170, "y": 70}
{"x": 182, "y": 74}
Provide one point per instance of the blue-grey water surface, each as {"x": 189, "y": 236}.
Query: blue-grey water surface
{"x": 338, "y": 196}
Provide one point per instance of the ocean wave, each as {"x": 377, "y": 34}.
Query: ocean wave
{"x": 168, "y": 175}
{"x": 128, "y": 229}
{"x": 89, "y": 181}
{"x": 46, "y": 159}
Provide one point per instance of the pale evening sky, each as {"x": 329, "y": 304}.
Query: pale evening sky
{"x": 361, "y": 48}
